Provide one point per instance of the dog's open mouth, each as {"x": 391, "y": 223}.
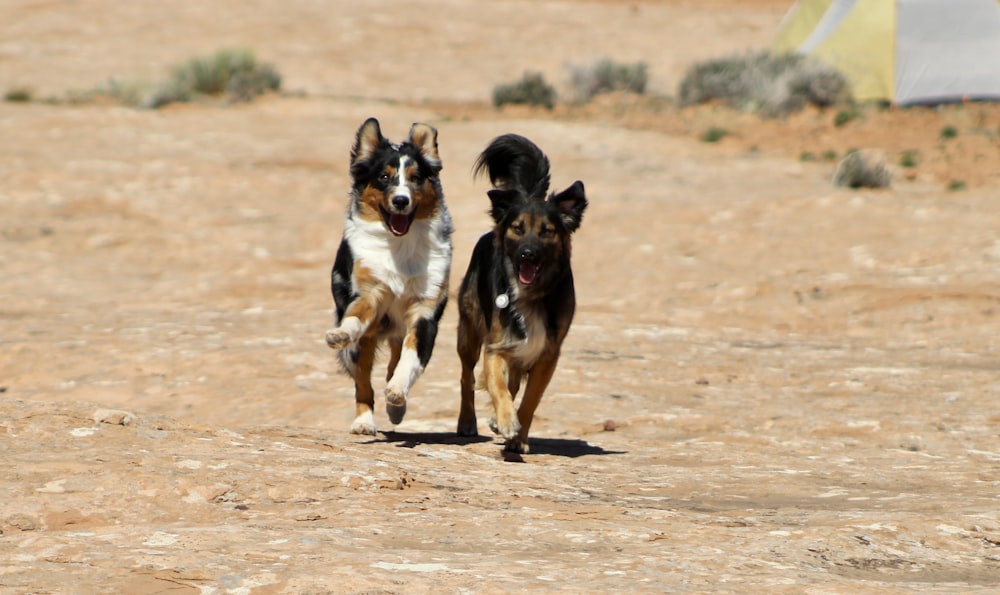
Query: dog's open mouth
{"x": 527, "y": 273}
{"x": 398, "y": 224}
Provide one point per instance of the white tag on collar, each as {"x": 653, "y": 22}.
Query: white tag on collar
{"x": 502, "y": 301}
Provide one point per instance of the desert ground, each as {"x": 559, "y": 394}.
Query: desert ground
{"x": 772, "y": 384}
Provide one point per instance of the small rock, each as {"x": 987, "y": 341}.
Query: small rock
{"x": 22, "y": 522}
{"x": 114, "y": 417}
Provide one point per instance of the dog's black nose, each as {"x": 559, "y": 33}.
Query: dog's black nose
{"x": 527, "y": 255}
{"x": 400, "y": 202}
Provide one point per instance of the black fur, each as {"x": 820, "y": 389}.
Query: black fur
{"x": 340, "y": 279}
{"x": 519, "y": 285}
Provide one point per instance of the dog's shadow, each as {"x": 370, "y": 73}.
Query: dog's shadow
{"x": 559, "y": 447}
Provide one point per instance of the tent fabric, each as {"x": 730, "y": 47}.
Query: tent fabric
{"x": 798, "y": 24}
{"x": 904, "y": 51}
{"x": 947, "y": 53}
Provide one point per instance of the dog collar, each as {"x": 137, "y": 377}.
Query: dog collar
{"x": 502, "y": 301}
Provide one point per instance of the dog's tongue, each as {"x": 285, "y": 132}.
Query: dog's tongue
{"x": 399, "y": 224}
{"x": 527, "y": 273}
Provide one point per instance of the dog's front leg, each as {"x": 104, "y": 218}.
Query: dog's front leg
{"x": 357, "y": 318}
{"x": 538, "y": 380}
{"x": 495, "y": 370}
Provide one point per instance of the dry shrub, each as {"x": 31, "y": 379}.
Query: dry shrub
{"x": 862, "y": 169}
{"x": 607, "y": 76}
{"x": 531, "y": 90}
{"x": 765, "y": 83}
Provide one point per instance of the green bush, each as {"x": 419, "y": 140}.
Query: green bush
{"x": 531, "y": 90}
{"x": 909, "y": 158}
{"x": 949, "y": 132}
{"x": 714, "y": 134}
{"x": 861, "y": 170}
{"x": 956, "y": 185}
{"x": 607, "y": 76}
{"x": 844, "y": 116}
{"x": 19, "y": 95}
{"x": 765, "y": 83}
{"x": 233, "y": 72}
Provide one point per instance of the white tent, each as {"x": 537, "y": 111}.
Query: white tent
{"x": 904, "y": 51}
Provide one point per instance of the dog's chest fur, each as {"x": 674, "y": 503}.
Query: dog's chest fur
{"x": 415, "y": 265}
{"x": 527, "y": 350}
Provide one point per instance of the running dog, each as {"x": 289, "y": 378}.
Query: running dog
{"x": 390, "y": 276}
{"x": 516, "y": 301}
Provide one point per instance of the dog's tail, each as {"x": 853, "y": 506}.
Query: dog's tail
{"x": 515, "y": 163}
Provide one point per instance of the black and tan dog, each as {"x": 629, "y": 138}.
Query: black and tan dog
{"x": 390, "y": 276}
{"x": 517, "y": 299}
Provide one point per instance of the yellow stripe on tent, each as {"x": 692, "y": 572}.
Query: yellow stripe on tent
{"x": 863, "y": 49}
{"x": 798, "y": 24}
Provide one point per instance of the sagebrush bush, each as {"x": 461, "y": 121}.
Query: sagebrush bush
{"x": 233, "y": 72}
{"x": 126, "y": 92}
{"x": 860, "y": 169}
{"x": 606, "y": 76}
{"x": 530, "y": 90}
{"x": 762, "y": 82}
{"x": 19, "y": 95}
{"x": 714, "y": 134}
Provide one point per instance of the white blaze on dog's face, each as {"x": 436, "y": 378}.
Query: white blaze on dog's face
{"x": 396, "y": 184}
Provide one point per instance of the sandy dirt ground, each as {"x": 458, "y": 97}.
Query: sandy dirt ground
{"x": 771, "y": 384}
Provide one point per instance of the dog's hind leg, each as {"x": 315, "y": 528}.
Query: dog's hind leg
{"x": 538, "y": 380}
{"x": 395, "y": 349}
{"x": 469, "y": 346}
{"x": 364, "y": 395}
{"x": 514, "y": 381}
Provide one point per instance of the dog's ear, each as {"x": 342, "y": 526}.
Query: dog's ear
{"x": 368, "y": 139}
{"x": 425, "y": 138}
{"x": 571, "y": 203}
{"x": 501, "y": 202}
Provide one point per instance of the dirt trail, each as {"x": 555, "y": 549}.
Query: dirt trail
{"x": 771, "y": 384}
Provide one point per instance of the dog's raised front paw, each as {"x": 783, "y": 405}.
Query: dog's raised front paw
{"x": 395, "y": 406}
{"x": 337, "y": 339}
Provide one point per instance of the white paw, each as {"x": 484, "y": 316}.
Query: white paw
{"x": 338, "y": 339}
{"x": 508, "y": 429}
{"x": 364, "y": 424}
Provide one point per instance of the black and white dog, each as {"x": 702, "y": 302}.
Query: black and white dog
{"x": 390, "y": 277}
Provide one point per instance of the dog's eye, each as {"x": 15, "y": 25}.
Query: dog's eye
{"x": 545, "y": 231}
{"x": 383, "y": 178}
{"x": 518, "y": 228}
